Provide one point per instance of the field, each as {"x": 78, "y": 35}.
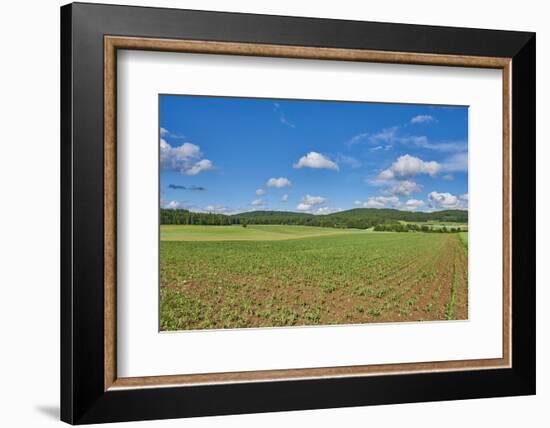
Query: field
{"x": 250, "y": 233}
{"x": 464, "y": 238}
{"x": 268, "y": 276}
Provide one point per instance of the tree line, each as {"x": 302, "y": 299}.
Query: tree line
{"x": 179, "y": 216}
{"x": 408, "y": 227}
{"x": 359, "y": 218}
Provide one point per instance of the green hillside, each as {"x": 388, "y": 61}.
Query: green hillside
{"x": 360, "y": 218}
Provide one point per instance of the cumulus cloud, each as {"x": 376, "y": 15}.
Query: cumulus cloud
{"x": 313, "y": 200}
{"x": 326, "y": 210}
{"x": 317, "y": 161}
{"x": 404, "y": 188}
{"x": 186, "y": 159}
{"x": 409, "y": 166}
{"x": 278, "y": 182}
{"x": 379, "y": 202}
{"x": 391, "y": 202}
{"x": 436, "y": 201}
{"x": 386, "y": 175}
{"x": 412, "y": 205}
{"x": 310, "y": 203}
{"x": 445, "y": 200}
{"x": 448, "y": 177}
{"x": 202, "y": 165}
{"x": 422, "y": 118}
{"x": 260, "y": 192}
{"x": 284, "y": 198}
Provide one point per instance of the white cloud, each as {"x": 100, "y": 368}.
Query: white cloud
{"x": 404, "y": 188}
{"x": 313, "y": 200}
{"x": 386, "y": 175}
{"x": 257, "y": 202}
{"x": 317, "y": 161}
{"x": 202, "y": 165}
{"x": 379, "y": 202}
{"x": 422, "y": 118}
{"x": 171, "y": 205}
{"x": 412, "y": 205}
{"x": 218, "y": 209}
{"x": 326, "y": 210}
{"x": 278, "y": 182}
{"x": 448, "y": 177}
{"x": 409, "y": 166}
{"x": 284, "y": 198}
{"x": 445, "y": 200}
{"x": 391, "y": 202}
{"x": 310, "y": 203}
{"x": 303, "y": 207}
{"x": 260, "y": 192}
{"x": 166, "y": 133}
{"x": 186, "y": 159}
{"x": 436, "y": 200}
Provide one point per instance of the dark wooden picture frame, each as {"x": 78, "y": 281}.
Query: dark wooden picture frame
{"x": 90, "y": 37}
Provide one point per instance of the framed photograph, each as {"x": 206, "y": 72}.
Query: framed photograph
{"x": 266, "y": 213}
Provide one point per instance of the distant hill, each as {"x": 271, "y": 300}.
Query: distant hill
{"x": 360, "y": 218}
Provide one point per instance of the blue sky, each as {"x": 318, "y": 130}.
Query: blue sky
{"x": 230, "y": 155}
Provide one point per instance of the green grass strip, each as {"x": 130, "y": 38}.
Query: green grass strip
{"x": 449, "y": 310}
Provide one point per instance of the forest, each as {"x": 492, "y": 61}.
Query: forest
{"x": 358, "y": 218}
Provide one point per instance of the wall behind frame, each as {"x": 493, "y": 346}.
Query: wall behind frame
{"x": 29, "y": 219}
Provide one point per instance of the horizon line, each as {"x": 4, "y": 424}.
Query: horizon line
{"x": 302, "y": 213}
